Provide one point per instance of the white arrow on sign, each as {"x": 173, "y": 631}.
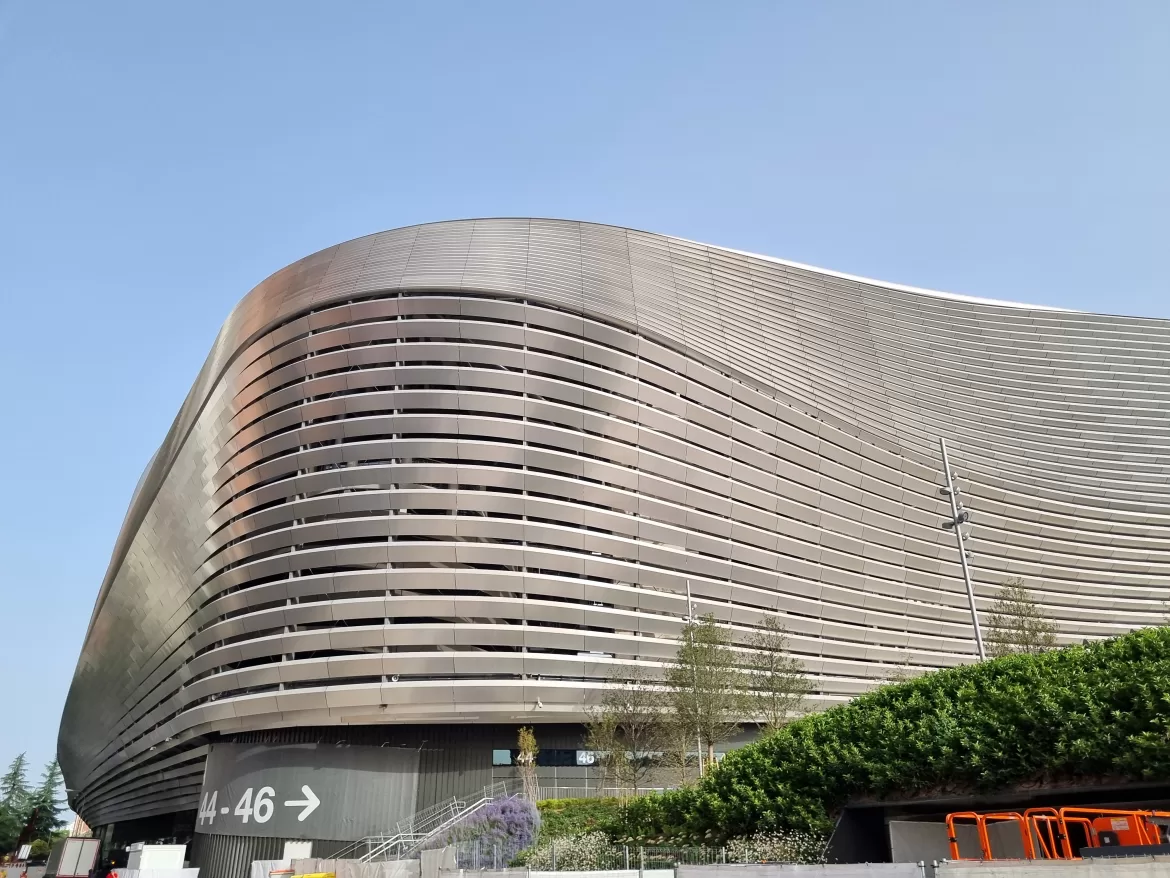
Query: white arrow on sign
{"x": 309, "y": 802}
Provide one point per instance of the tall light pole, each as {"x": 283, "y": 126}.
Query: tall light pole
{"x": 695, "y": 668}
{"x": 959, "y": 517}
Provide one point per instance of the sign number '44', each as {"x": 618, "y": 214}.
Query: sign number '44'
{"x": 259, "y": 809}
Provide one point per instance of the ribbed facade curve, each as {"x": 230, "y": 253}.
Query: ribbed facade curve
{"x": 461, "y": 472}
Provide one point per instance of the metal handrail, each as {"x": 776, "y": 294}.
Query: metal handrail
{"x": 420, "y": 839}
{"x": 438, "y": 813}
{"x": 413, "y": 832}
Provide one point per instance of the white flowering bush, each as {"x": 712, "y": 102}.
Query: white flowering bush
{"x": 589, "y": 850}
{"x": 777, "y": 847}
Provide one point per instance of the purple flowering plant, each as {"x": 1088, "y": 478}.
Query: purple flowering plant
{"x": 510, "y": 823}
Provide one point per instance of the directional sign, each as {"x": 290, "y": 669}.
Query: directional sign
{"x": 306, "y": 790}
{"x": 310, "y": 803}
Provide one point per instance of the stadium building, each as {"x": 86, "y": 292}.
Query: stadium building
{"x": 443, "y": 481}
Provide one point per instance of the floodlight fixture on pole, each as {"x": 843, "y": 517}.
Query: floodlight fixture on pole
{"x": 960, "y": 516}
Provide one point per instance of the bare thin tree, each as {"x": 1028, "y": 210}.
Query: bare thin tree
{"x": 603, "y": 740}
{"x": 1017, "y": 623}
{"x": 627, "y": 729}
{"x": 526, "y": 759}
{"x": 679, "y": 755}
{"x": 776, "y": 682}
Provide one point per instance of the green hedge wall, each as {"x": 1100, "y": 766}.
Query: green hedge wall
{"x": 1101, "y": 710}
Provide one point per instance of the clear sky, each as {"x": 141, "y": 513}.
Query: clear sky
{"x": 157, "y": 160}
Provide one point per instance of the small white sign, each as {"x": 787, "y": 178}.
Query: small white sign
{"x": 297, "y": 850}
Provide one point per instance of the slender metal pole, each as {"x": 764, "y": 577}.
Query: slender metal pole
{"x": 954, "y": 495}
{"x": 691, "y": 638}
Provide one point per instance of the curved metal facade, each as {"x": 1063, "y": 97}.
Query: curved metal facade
{"x": 458, "y": 472}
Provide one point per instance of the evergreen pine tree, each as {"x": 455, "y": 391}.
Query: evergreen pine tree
{"x": 14, "y": 796}
{"x": 46, "y": 799}
{"x": 14, "y": 783}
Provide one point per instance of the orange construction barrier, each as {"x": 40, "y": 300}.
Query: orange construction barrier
{"x": 981, "y": 823}
{"x": 1048, "y": 832}
{"x": 1108, "y": 827}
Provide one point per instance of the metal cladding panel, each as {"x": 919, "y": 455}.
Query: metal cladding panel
{"x": 554, "y": 264}
{"x": 439, "y": 256}
{"x": 422, "y": 471}
{"x": 497, "y": 256}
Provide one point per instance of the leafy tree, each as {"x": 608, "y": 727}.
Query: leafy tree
{"x": 14, "y": 802}
{"x": 776, "y": 682}
{"x": 1017, "y": 624}
{"x": 628, "y": 728}
{"x": 706, "y": 683}
{"x": 40, "y": 849}
{"x": 526, "y": 759}
{"x": 47, "y": 802}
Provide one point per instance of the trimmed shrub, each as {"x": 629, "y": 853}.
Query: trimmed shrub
{"x": 562, "y": 817}
{"x": 1097, "y": 711}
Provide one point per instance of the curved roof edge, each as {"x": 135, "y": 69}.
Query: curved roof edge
{"x": 903, "y": 288}
{"x": 804, "y": 266}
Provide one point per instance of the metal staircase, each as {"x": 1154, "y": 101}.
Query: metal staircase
{"x": 412, "y": 834}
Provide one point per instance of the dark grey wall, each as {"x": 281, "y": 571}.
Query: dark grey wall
{"x": 306, "y": 790}
{"x": 454, "y": 760}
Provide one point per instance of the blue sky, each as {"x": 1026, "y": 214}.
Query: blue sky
{"x": 157, "y": 160}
